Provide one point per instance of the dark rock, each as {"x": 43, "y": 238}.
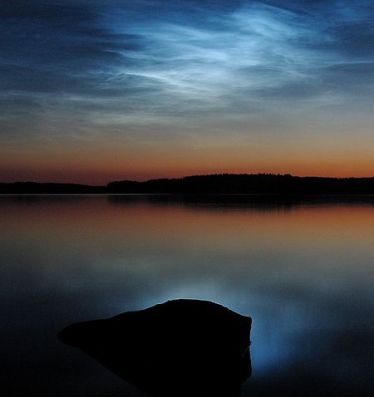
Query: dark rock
{"x": 182, "y": 347}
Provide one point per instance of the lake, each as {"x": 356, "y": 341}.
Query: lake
{"x": 303, "y": 271}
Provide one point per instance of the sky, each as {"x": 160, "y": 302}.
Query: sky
{"x": 93, "y": 91}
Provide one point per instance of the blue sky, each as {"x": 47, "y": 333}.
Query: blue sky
{"x": 150, "y": 77}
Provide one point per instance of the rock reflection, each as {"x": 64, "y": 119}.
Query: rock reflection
{"x": 182, "y": 347}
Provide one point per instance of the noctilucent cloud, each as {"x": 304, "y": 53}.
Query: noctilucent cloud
{"x": 92, "y": 91}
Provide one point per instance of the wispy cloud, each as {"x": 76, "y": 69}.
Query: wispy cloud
{"x": 110, "y": 66}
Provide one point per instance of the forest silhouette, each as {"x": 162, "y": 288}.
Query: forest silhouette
{"x": 254, "y": 184}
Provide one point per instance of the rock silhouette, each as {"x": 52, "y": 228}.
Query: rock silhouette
{"x": 182, "y": 347}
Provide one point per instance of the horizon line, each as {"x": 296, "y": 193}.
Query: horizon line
{"x": 189, "y": 176}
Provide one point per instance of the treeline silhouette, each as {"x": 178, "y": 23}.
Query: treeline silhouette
{"x": 49, "y": 188}
{"x": 268, "y": 184}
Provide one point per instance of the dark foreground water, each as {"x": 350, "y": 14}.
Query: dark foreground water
{"x": 303, "y": 272}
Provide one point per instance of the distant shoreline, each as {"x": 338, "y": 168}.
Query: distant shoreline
{"x": 215, "y": 184}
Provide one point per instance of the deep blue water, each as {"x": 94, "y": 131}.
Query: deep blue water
{"x": 304, "y": 272}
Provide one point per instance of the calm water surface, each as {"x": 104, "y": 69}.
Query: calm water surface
{"x": 304, "y": 273}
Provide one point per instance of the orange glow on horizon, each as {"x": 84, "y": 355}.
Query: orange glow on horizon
{"x": 99, "y": 165}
